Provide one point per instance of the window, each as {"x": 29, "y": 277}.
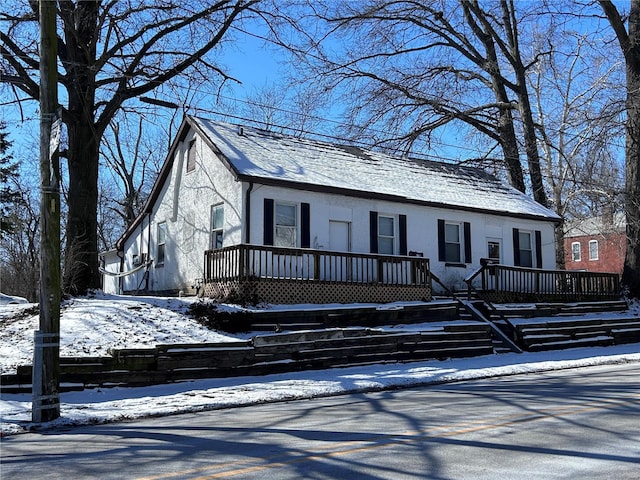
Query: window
{"x": 575, "y": 252}
{"x": 162, "y": 240}
{"x": 386, "y": 235}
{"x": 191, "y": 156}
{"x": 286, "y": 225}
{"x": 139, "y": 259}
{"x": 493, "y": 250}
{"x": 526, "y": 249}
{"x": 452, "y": 242}
{"x": 217, "y": 226}
{"x": 593, "y": 250}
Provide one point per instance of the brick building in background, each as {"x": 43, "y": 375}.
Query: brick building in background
{"x": 596, "y": 244}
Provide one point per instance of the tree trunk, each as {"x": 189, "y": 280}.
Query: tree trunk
{"x": 531, "y": 143}
{"x": 509, "y": 146}
{"x": 631, "y": 49}
{"x": 491, "y": 65}
{"x": 81, "y": 252}
{"x": 81, "y": 265}
{"x": 631, "y": 273}
{"x": 524, "y": 104}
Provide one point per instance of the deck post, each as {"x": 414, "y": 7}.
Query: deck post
{"x": 316, "y": 266}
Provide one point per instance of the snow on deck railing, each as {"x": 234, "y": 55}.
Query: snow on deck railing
{"x": 244, "y": 262}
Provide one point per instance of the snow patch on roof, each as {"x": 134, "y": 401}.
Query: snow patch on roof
{"x": 265, "y": 155}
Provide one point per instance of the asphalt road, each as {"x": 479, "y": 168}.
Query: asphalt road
{"x": 573, "y": 424}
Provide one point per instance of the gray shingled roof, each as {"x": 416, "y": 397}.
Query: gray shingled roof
{"x": 260, "y": 155}
{"x": 598, "y": 225}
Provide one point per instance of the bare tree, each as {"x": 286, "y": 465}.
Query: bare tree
{"x": 282, "y": 107}
{"x": 110, "y": 53}
{"x": 577, "y": 123}
{"x": 507, "y": 38}
{"x": 627, "y": 32}
{"x": 129, "y": 161}
{"x": 20, "y": 253}
{"x": 412, "y": 69}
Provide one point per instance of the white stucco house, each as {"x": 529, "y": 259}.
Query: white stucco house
{"x": 234, "y": 204}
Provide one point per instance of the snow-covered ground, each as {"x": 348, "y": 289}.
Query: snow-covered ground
{"x": 90, "y": 327}
{"x": 93, "y": 326}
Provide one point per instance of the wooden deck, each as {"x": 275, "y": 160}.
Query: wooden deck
{"x": 291, "y": 275}
{"x": 505, "y": 284}
{"x": 246, "y": 273}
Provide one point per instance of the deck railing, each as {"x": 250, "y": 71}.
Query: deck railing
{"x": 520, "y": 283}
{"x": 255, "y": 262}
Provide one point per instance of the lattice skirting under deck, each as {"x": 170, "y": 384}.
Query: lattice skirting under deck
{"x": 288, "y": 292}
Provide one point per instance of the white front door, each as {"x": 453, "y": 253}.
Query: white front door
{"x": 339, "y": 236}
{"x": 339, "y": 268}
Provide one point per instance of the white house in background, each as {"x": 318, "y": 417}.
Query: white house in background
{"x": 225, "y": 185}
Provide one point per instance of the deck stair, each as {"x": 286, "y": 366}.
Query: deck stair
{"x": 501, "y": 341}
{"x": 536, "y": 334}
{"x": 556, "y": 309}
{"x": 345, "y": 336}
{"x": 354, "y": 316}
{"x": 514, "y": 327}
{"x": 265, "y": 354}
{"x": 554, "y": 326}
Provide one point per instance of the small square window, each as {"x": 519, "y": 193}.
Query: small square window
{"x": 493, "y": 250}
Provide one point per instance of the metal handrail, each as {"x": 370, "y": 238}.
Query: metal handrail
{"x": 477, "y": 314}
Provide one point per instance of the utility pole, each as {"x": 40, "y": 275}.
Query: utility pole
{"x": 46, "y": 352}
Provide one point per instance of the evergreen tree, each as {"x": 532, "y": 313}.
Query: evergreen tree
{"x": 8, "y": 194}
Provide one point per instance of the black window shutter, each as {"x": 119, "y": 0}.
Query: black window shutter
{"x": 442, "y": 248}
{"x": 373, "y": 231}
{"x": 538, "y": 249}
{"x": 402, "y": 224}
{"x": 467, "y": 242}
{"x": 305, "y": 219}
{"x": 516, "y": 247}
{"x": 268, "y": 221}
